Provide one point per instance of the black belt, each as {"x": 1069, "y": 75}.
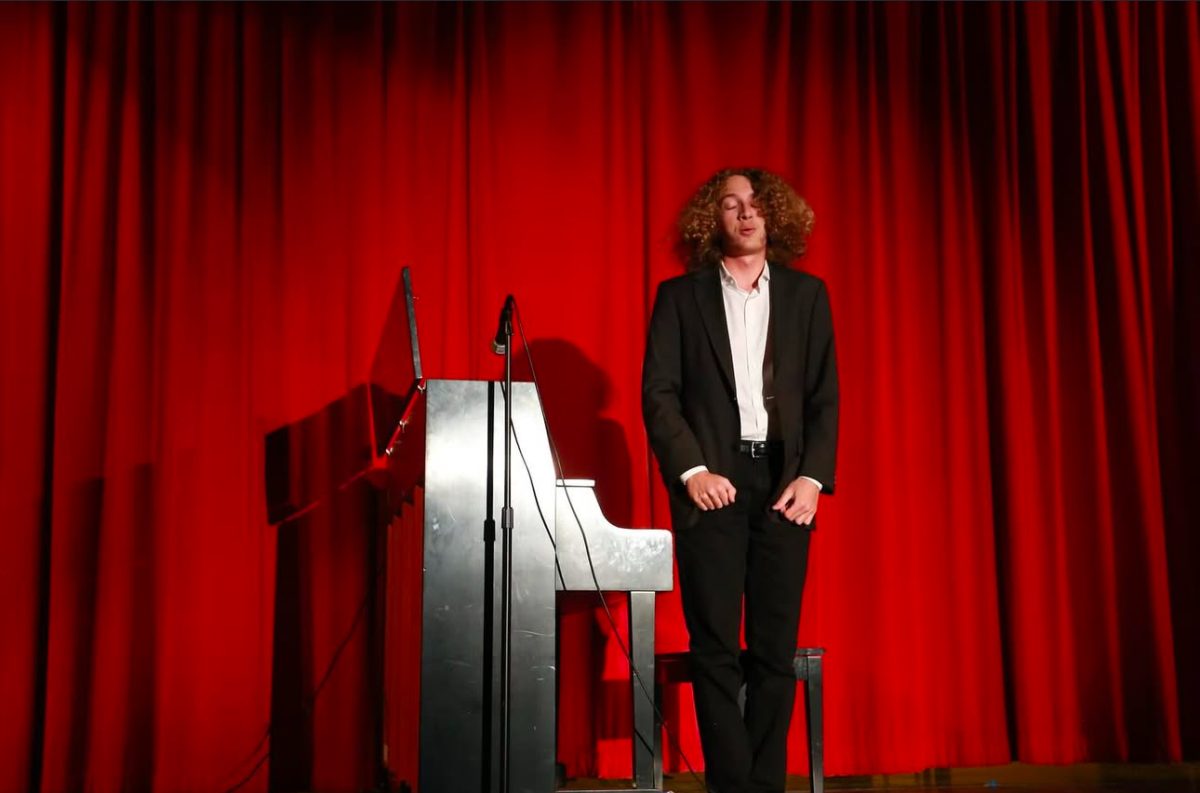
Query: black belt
{"x": 757, "y": 449}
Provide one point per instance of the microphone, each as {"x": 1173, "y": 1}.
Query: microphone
{"x": 504, "y": 331}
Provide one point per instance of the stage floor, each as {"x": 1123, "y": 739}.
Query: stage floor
{"x": 1014, "y": 778}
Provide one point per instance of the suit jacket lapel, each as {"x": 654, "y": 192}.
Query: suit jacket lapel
{"x": 712, "y": 311}
{"x": 784, "y": 333}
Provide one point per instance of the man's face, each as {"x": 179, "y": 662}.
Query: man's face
{"x": 743, "y": 229}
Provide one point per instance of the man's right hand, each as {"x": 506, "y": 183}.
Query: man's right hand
{"x": 710, "y": 491}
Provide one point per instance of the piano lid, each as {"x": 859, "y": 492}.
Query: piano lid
{"x": 628, "y": 560}
{"x": 307, "y": 460}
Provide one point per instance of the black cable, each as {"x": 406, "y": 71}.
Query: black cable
{"x": 537, "y": 503}
{"x": 311, "y": 701}
{"x": 253, "y": 771}
{"x": 672, "y": 738}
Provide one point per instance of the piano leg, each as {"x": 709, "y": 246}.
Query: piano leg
{"x": 641, "y": 647}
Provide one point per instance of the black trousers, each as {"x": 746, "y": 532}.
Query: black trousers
{"x": 743, "y": 549}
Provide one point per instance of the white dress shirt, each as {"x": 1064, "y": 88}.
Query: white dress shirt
{"x": 747, "y": 316}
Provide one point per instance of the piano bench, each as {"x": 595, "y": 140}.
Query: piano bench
{"x": 671, "y": 669}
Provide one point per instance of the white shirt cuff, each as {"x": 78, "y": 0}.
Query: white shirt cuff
{"x": 689, "y": 473}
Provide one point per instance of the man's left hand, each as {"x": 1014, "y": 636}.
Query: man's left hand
{"x": 798, "y": 501}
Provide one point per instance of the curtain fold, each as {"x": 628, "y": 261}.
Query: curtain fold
{"x": 203, "y": 213}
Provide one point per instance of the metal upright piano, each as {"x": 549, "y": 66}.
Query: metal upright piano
{"x": 460, "y": 685}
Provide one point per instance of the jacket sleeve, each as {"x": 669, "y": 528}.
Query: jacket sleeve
{"x": 673, "y": 442}
{"x": 820, "y": 397}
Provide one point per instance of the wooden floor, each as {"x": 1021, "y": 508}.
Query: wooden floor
{"x": 1014, "y": 778}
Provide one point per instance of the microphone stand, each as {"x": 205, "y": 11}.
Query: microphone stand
{"x": 506, "y": 527}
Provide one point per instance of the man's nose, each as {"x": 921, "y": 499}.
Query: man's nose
{"x": 747, "y": 211}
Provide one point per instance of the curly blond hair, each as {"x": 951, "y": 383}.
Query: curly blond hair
{"x": 788, "y": 219}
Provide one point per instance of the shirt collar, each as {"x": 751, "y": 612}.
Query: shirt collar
{"x": 727, "y": 279}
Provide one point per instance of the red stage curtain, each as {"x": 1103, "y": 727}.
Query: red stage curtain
{"x": 203, "y": 213}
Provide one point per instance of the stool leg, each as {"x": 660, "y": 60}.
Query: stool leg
{"x": 813, "y": 716}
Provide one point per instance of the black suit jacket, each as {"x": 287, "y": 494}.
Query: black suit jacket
{"x": 689, "y": 398}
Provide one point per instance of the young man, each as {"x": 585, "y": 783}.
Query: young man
{"x": 740, "y": 400}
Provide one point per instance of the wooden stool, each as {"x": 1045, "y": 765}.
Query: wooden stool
{"x": 672, "y": 669}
